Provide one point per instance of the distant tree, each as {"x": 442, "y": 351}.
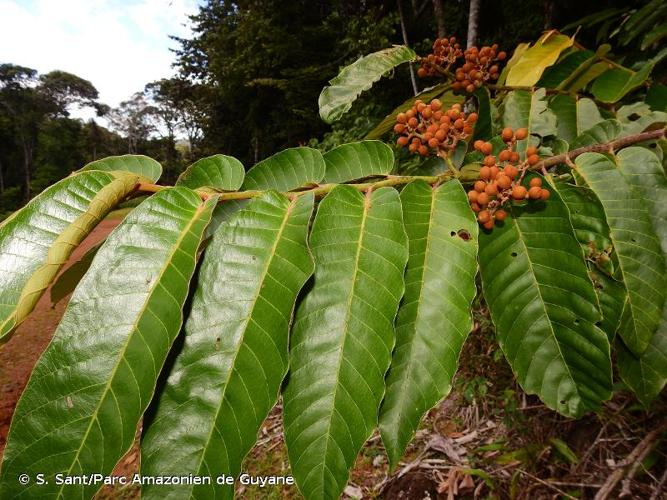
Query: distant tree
{"x": 134, "y": 119}
{"x": 29, "y": 100}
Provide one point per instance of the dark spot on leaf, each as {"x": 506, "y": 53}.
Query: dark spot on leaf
{"x": 598, "y": 323}
{"x": 453, "y": 233}
{"x": 514, "y": 254}
{"x": 576, "y": 321}
{"x": 463, "y": 234}
{"x": 633, "y": 240}
{"x": 562, "y": 401}
{"x": 217, "y": 344}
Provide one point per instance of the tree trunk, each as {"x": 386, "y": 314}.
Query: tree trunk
{"x": 2, "y": 180}
{"x": 473, "y": 22}
{"x": 439, "y": 13}
{"x": 405, "y": 42}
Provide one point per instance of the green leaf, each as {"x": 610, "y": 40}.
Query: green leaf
{"x": 441, "y": 91}
{"x": 568, "y": 68}
{"x": 612, "y": 296}
{"x": 67, "y": 281}
{"x": 583, "y": 78}
{"x": 600, "y": 133}
{"x": 574, "y": 116}
{"x": 79, "y": 412}
{"x": 286, "y": 170}
{"x": 656, "y": 97}
{"x": 529, "y": 68}
{"x": 227, "y": 376}
{"x": 647, "y": 374}
{"x": 37, "y": 240}
{"x": 484, "y": 126}
{"x": 434, "y": 318}
{"x": 591, "y": 230}
{"x": 638, "y": 117}
{"x": 336, "y": 99}
{"x": 529, "y": 110}
{"x": 218, "y": 172}
{"x": 516, "y": 57}
{"x": 357, "y": 160}
{"x": 544, "y": 307}
{"x": 564, "y": 450}
{"x": 615, "y": 83}
{"x": 136, "y": 164}
{"x": 641, "y": 263}
{"x": 343, "y": 336}
{"x": 588, "y": 220}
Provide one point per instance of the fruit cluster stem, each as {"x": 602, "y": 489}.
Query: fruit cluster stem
{"x": 399, "y": 180}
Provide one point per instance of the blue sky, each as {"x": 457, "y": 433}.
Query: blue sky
{"x": 119, "y": 45}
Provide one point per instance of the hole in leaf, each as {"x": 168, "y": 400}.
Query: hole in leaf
{"x": 453, "y": 233}
{"x": 576, "y": 321}
{"x": 562, "y": 401}
{"x": 598, "y": 323}
{"x": 633, "y": 240}
{"x": 514, "y": 254}
{"x": 463, "y": 234}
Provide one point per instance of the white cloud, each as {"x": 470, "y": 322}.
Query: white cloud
{"x": 119, "y": 45}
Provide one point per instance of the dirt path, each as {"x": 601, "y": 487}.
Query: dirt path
{"x": 19, "y": 355}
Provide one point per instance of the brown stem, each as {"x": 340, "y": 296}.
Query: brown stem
{"x": 399, "y": 180}
{"x": 601, "y": 148}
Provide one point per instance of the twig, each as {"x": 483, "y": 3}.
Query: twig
{"x": 322, "y": 190}
{"x": 658, "y": 487}
{"x": 632, "y": 461}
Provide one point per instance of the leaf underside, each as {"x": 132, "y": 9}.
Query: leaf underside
{"x": 227, "y": 376}
{"x": 36, "y": 241}
{"x": 80, "y": 409}
{"x": 337, "y": 98}
{"x": 286, "y": 170}
{"x": 218, "y": 172}
{"x": 343, "y": 336}
{"x": 141, "y": 165}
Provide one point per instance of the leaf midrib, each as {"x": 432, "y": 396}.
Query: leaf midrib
{"x": 93, "y": 417}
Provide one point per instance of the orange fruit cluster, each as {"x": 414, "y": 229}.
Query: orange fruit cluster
{"x": 427, "y": 128}
{"x": 481, "y": 65}
{"x": 445, "y": 53}
{"x": 501, "y": 179}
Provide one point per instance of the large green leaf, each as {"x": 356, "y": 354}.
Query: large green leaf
{"x": 591, "y": 230}
{"x": 524, "y": 109}
{"x": 218, "y": 172}
{"x": 641, "y": 263}
{"x": 434, "y": 318}
{"x": 615, "y": 83}
{"x": 441, "y": 91}
{"x": 37, "y": 240}
{"x": 574, "y": 116}
{"x": 567, "y": 68}
{"x": 516, "y": 57}
{"x": 343, "y": 336}
{"x": 141, "y": 165}
{"x": 336, "y": 99}
{"x": 544, "y": 307}
{"x": 357, "y": 160}
{"x": 228, "y": 374}
{"x": 647, "y": 374}
{"x": 286, "y": 170}
{"x": 638, "y": 117}
{"x": 529, "y": 68}
{"x": 600, "y": 133}
{"x": 485, "y": 110}
{"x": 79, "y": 412}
